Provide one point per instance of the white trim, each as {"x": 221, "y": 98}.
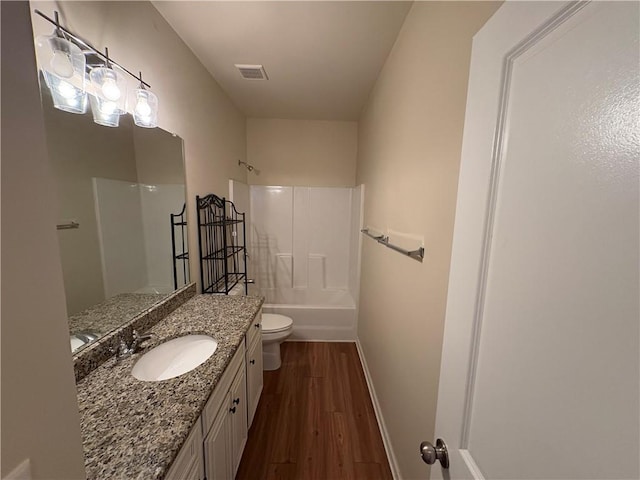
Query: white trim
{"x": 386, "y": 440}
{"x": 471, "y": 465}
{"x": 21, "y": 472}
{"x": 356, "y": 294}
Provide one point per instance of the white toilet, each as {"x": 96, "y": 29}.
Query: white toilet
{"x": 275, "y": 330}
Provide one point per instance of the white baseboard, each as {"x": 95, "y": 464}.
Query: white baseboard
{"x": 393, "y": 463}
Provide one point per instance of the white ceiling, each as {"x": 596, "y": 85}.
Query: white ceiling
{"x": 322, "y": 57}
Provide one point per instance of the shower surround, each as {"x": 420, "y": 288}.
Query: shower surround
{"x": 134, "y": 233}
{"x": 305, "y": 253}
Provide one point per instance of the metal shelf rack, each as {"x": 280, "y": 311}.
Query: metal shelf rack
{"x": 180, "y": 247}
{"x": 221, "y": 240}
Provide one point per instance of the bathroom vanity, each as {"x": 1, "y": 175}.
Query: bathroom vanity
{"x": 188, "y": 427}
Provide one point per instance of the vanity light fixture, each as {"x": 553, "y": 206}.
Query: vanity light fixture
{"x": 63, "y": 66}
{"x": 62, "y": 59}
{"x": 110, "y": 88}
{"x": 145, "y": 111}
{"x": 104, "y": 112}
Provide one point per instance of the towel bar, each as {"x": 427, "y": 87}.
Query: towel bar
{"x": 384, "y": 240}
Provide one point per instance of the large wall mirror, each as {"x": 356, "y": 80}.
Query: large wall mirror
{"x": 117, "y": 188}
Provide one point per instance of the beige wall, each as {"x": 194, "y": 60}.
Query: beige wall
{"x": 192, "y": 104}
{"x": 39, "y": 411}
{"x": 302, "y": 152}
{"x": 410, "y": 137}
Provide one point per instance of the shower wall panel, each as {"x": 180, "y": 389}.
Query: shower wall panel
{"x": 122, "y": 250}
{"x": 158, "y": 203}
{"x": 301, "y": 238}
{"x": 134, "y": 231}
{"x": 329, "y": 217}
{"x": 271, "y": 235}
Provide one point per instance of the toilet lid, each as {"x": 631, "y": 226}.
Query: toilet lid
{"x": 273, "y": 322}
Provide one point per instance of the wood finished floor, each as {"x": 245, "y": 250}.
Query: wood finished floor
{"x": 315, "y": 419}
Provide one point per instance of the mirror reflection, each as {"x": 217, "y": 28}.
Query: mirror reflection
{"x": 117, "y": 188}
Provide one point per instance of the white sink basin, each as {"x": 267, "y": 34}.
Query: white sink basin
{"x": 174, "y": 358}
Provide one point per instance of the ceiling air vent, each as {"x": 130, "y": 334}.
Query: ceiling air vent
{"x": 252, "y": 72}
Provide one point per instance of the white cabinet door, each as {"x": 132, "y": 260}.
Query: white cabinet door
{"x": 254, "y": 378}
{"x": 227, "y": 432}
{"x": 238, "y": 417}
{"x": 540, "y": 371}
{"x": 193, "y": 473}
{"x": 217, "y": 446}
{"x": 188, "y": 464}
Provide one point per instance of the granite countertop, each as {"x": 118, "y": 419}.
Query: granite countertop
{"x": 113, "y": 312}
{"x": 133, "y": 429}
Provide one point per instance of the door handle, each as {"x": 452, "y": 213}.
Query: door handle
{"x": 430, "y": 453}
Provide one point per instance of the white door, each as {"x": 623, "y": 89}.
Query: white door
{"x": 540, "y": 369}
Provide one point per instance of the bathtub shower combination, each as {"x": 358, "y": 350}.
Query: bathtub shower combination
{"x": 304, "y": 246}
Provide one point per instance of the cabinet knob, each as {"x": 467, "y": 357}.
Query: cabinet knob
{"x": 252, "y": 362}
{"x": 257, "y": 325}
{"x": 236, "y": 401}
{"x": 232, "y": 409}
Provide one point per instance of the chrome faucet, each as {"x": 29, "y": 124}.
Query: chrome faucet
{"x": 126, "y": 350}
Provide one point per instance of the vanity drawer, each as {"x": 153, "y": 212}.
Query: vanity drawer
{"x": 255, "y": 329}
{"x": 222, "y": 388}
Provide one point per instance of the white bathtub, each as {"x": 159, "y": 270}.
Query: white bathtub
{"x": 318, "y": 315}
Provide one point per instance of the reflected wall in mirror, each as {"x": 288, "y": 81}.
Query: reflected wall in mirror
{"x": 117, "y": 188}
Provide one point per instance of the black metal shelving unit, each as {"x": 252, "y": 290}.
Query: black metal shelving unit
{"x": 221, "y": 239}
{"x": 180, "y": 247}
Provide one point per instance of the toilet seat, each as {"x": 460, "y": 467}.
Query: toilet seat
{"x": 274, "y": 322}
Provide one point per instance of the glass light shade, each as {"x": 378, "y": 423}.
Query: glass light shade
{"x": 104, "y": 112}
{"x": 145, "y": 110}
{"x": 110, "y": 85}
{"x": 63, "y": 66}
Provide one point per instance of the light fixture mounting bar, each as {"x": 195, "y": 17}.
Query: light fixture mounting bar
{"x": 87, "y": 46}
